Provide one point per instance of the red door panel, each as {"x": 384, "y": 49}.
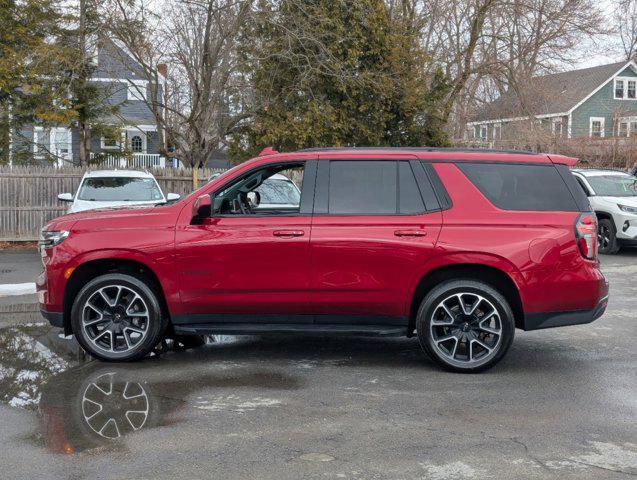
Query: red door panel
{"x": 366, "y": 265}
{"x": 245, "y": 265}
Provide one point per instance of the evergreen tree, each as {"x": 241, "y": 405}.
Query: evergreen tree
{"x": 30, "y": 62}
{"x": 47, "y": 58}
{"x": 89, "y": 99}
{"x": 336, "y": 73}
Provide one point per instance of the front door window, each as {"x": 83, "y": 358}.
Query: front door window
{"x": 136, "y": 143}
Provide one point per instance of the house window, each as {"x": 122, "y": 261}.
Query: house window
{"x": 40, "y": 140}
{"x": 136, "y": 144}
{"x": 556, "y": 127}
{"x": 484, "y": 132}
{"x": 625, "y": 89}
{"x": 110, "y": 142}
{"x": 60, "y": 141}
{"x": 136, "y": 141}
{"x": 622, "y": 129}
{"x": 619, "y": 88}
{"x": 136, "y": 90}
{"x": 596, "y": 127}
{"x": 627, "y": 126}
{"x": 497, "y": 131}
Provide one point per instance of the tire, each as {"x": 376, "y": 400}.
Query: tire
{"x": 454, "y": 336}
{"x": 117, "y": 310}
{"x": 607, "y": 237}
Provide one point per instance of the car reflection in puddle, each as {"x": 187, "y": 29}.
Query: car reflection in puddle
{"x": 85, "y": 404}
{"x": 92, "y": 405}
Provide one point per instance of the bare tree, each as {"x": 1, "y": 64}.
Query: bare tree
{"x": 196, "y": 40}
{"x": 203, "y": 53}
{"x": 626, "y": 23}
{"x": 134, "y": 25}
{"x": 489, "y": 46}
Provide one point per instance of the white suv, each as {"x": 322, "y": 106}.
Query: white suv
{"x": 116, "y": 188}
{"x": 613, "y": 196}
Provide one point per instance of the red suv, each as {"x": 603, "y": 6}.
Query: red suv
{"x": 459, "y": 247}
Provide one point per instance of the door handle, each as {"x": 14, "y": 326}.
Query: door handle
{"x": 288, "y": 233}
{"x": 410, "y": 233}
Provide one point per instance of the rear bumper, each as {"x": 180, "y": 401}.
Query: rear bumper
{"x": 537, "y": 321}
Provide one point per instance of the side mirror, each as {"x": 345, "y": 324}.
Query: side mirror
{"x": 171, "y": 197}
{"x": 202, "y": 207}
{"x": 254, "y": 198}
{"x": 65, "y": 197}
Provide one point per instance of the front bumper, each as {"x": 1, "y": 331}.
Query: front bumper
{"x": 537, "y": 321}
{"x": 626, "y": 226}
{"x": 55, "y": 318}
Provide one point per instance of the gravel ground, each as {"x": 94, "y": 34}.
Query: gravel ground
{"x": 561, "y": 405}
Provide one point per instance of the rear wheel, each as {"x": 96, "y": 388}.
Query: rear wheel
{"x": 607, "y": 237}
{"x": 117, "y": 317}
{"x": 465, "y": 325}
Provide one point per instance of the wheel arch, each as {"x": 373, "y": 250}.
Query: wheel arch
{"x": 604, "y": 215}
{"x": 494, "y": 275}
{"x": 91, "y": 267}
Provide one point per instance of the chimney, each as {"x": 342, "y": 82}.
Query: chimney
{"x": 162, "y": 68}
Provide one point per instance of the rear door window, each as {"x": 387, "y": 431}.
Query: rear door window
{"x": 521, "y": 187}
{"x": 362, "y": 188}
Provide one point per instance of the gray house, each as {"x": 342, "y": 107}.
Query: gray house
{"x": 591, "y": 102}
{"x": 122, "y": 84}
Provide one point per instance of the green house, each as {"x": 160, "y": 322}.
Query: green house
{"x": 591, "y": 102}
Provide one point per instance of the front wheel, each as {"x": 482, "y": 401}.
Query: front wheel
{"x": 607, "y": 237}
{"x": 117, "y": 317}
{"x": 465, "y": 325}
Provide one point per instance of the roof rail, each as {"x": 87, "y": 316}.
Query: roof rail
{"x": 608, "y": 169}
{"x": 421, "y": 149}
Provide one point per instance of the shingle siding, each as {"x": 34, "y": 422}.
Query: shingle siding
{"x": 113, "y": 62}
{"x": 131, "y": 112}
{"x": 602, "y": 104}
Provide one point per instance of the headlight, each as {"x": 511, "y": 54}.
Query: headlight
{"x": 627, "y": 209}
{"x": 51, "y": 238}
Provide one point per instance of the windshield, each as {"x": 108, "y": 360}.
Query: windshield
{"x": 614, "y": 185}
{"x": 123, "y": 189}
{"x": 279, "y": 192}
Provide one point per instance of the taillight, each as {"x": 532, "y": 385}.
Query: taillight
{"x": 586, "y": 235}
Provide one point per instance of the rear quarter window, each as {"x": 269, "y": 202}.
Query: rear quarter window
{"x": 521, "y": 187}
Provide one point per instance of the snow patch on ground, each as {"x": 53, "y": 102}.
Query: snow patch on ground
{"x": 10, "y": 289}
{"x": 452, "y": 471}
{"x": 234, "y": 403}
{"x": 611, "y": 456}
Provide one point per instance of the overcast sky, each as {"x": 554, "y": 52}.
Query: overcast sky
{"x": 607, "y": 49}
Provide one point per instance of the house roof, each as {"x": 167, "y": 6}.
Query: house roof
{"x": 557, "y": 93}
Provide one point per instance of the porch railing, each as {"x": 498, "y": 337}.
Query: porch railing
{"x": 137, "y": 160}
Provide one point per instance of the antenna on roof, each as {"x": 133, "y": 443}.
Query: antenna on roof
{"x": 268, "y": 151}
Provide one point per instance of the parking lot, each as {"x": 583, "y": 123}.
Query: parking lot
{"x": 562, "y": 404}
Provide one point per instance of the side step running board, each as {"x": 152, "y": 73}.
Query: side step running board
{"x": 311, "y": 329}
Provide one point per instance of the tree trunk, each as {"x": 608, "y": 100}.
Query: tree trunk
{"x": 5, "y": 135}
{"x": 83, "y": 127}
{"x": 195, "y": 177}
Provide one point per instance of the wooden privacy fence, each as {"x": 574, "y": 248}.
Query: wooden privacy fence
{"x": 28, "y": 195}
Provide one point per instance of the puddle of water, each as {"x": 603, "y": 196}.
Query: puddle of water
{"x": 31, "y": 355}
{"x": 85, "y": 404}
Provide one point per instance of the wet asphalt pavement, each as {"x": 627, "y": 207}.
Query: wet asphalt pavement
{"x": 562, "y": 404}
